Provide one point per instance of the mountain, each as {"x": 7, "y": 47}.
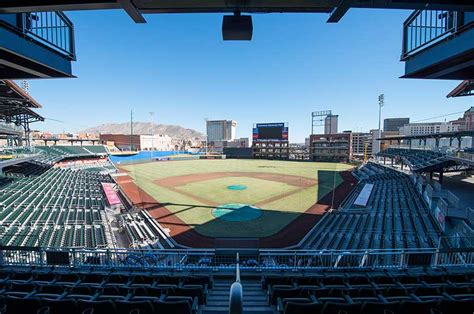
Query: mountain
{"x": 174, "y": 131}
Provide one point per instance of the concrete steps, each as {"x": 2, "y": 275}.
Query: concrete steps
{"x": 255, "y": 299}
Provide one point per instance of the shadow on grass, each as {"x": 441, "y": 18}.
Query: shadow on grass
{"x": 274, "y": 228}
{"x": 290, "y": 227}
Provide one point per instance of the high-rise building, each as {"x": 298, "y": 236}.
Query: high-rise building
{"x": 361, "y": 144}
{"x": 330, "y": 124}
{"x": 393, "y": 124}
{"x": 221, "y": 130}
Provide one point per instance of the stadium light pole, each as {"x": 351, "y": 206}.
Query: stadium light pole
{"x": 206, "y": 136}
{"x": 381, "y": 104}
{"x": 152, "y": 114}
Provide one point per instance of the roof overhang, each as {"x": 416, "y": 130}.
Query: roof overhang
{"x": 135, "y": 8}
{"x": 11, "y": 93}
{"x": 466, "y": 88}
{"x": 427, "y": 136}
{"x": 16, "y": 105}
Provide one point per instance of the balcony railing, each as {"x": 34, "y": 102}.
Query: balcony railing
{"x": 52, "y": 29}
{"x": 264, "y": 260}
{"x": 424, "y": 28}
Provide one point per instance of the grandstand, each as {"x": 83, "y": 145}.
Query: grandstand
{"x": 417, "y": 160}
{"x": 24, "y": 169}
{"x": 53, "y": 154}
{"x": 58, "y": 291}
{"x": 395, "y": 216}
{"x": 54, "y": 208}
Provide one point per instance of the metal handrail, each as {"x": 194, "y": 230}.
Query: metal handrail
{"x": 52, "y": 29}
{"x": 210, "y": 260}
{"x": 423, "y": 28}
{"x": 236, "y": 305}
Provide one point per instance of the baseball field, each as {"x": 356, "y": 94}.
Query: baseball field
{"x": 233, "y": 198}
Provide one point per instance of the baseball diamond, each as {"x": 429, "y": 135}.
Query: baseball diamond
{"x": 270, "y": 194}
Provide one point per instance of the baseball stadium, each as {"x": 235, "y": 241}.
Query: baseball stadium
{"x": 145, "y": 218}
{"x": 273, "y": 202}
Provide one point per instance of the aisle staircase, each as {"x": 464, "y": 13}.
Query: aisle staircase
{"x": 254, "y": 297}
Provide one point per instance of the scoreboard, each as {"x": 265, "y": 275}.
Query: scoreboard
{"x": 270, "y": 132}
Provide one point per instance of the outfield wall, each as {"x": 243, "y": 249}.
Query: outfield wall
{"x": 144, "y": 156}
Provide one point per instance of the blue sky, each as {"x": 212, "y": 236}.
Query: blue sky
{"x": 179, "y": 67}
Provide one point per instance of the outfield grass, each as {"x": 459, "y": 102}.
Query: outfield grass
{"x": 193, "y": 202}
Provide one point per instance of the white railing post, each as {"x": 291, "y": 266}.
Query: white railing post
{"x": 295, "y": 264}
{"x": 236, "y": 298}
{"x": 436, "y": 258}
{"x": 402, "y": 259}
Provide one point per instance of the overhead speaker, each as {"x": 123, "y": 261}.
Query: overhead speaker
{"x": 237, "y": 27}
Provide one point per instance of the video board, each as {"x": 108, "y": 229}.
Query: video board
{"x": 270, "y": 132}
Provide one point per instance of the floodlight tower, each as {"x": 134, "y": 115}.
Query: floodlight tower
{"x": 131, "y": 130}
{"x": 381, "y": 104}
{"x": 318, "y": 118}
{"x": 25, "y": 85}
{"x": 152, "y": 116}
{"x": 207, "y": 135}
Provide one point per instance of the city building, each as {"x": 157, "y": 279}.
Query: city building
{"x": 330, "y": 124}
{"x": 361, "y": 144}
{"x": 466, "y": 123}
{"x": 239, "y": 142}
{"x": 156, "y": 142}
{"x": 218, "y": 146}
{"x": 331, "y": 147}
{"x": 137, "y": 142}
{"x": 394, "y": 124}
{"x": 428, "y": 128}
{"x": 220, "y": 130}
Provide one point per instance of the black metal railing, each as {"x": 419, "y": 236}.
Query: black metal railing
{"x": 423, "y": 28}
{"x": 52, "y": 29}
